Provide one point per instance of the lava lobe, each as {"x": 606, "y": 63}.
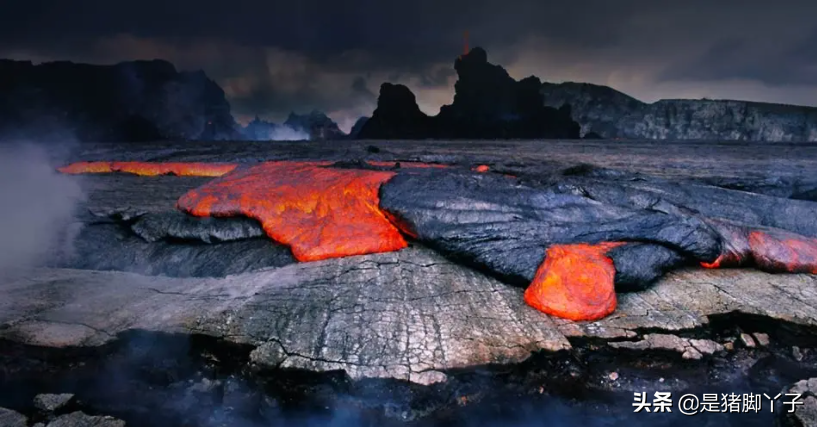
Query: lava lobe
{"x": 320, "y": 212}
{"x": 575, "y": 282}
{"x": 765, "y": 248}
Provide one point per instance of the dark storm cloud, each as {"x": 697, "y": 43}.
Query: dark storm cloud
{"x": 780, "y": 64}
{"x": 404, "y": 33}
{"x": 361, "y": 89}
{"x": 439, "y": 77}
{"x": 272, "y": 57}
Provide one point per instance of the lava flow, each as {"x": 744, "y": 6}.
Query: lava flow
{"x": 324, "y": 212}
{"x": 771, "y": 251}
{"x": 151, "y": 168}
{"x": 575, "y": 282}
{"x": 320, "y": 212}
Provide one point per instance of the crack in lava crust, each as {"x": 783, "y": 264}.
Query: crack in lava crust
{"x": 407, "y": 164}
{"x": 320, "y": 212}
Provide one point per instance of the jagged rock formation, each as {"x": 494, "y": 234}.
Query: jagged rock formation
{"x": 608, "y": 113}
{"x": 488, "y": 104}
{"x": 129, "y": 101}
{"x": 397, "y": 116}
{"x": 316, "y": 124}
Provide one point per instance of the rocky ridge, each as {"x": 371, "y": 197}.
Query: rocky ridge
{"x": 608, "y": 113}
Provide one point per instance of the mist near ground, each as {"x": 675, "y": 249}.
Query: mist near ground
{"x": 288, "y": 133}
{"x": 38, "y": 205}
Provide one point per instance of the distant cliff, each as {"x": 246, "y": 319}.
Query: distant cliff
{"x": 612, "y": 114}
{"x": 129, "y": 101}
{"x": 488, "y": 103}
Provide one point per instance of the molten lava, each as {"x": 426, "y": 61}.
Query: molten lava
{"x": 151, "y": 168}
{"x": 771, "y": 250}
{"x": 481, "y": 168}
{"x": 575, "y": 282}
{"x": 319, "y": 212}
{"x": 790, "y": 254}
{"x": 87, "y": 167}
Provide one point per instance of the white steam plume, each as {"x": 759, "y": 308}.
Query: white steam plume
{"x": 38, "y": 204}
{"x": 287, "y": 133}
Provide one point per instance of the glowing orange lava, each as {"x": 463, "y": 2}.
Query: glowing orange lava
{"x": 774, "y": 251}
{"x": 319, "y": 212}
{"x": 790, "y": 254}
{"x": 481, "y": 168}
{"x": 718, "y": 263}
{"x": 575, "y": 282}
{"x": 87, "y": 167}
{"x": 151, "y": 168}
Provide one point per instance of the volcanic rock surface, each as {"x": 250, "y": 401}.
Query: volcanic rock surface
{"x": 79, "y": 419}
{"x": 129, "y": 101}
{"x": 441, "y": 310}
{"x": 577, "y": 244}
{"x": 606, "y": 112}
{"x": 11, "y": 418}
{"x": 410, "y": 314}
{"x": 488, "y": 103}
{"x": 805, "y": 413}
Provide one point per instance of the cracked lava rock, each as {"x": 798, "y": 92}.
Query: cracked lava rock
{"x": 572, "y": 240}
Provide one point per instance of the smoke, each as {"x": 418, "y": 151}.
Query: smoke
{"x": 38, "y": 204}
{"x": 288, "y": 133}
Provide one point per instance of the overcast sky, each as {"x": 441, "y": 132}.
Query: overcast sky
{"x": 274, "y": 57}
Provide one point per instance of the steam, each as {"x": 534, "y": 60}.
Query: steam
{"x": 260, "y": 130}
{"x": 38, "y": 205}
{"x": 287, "y": 133}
